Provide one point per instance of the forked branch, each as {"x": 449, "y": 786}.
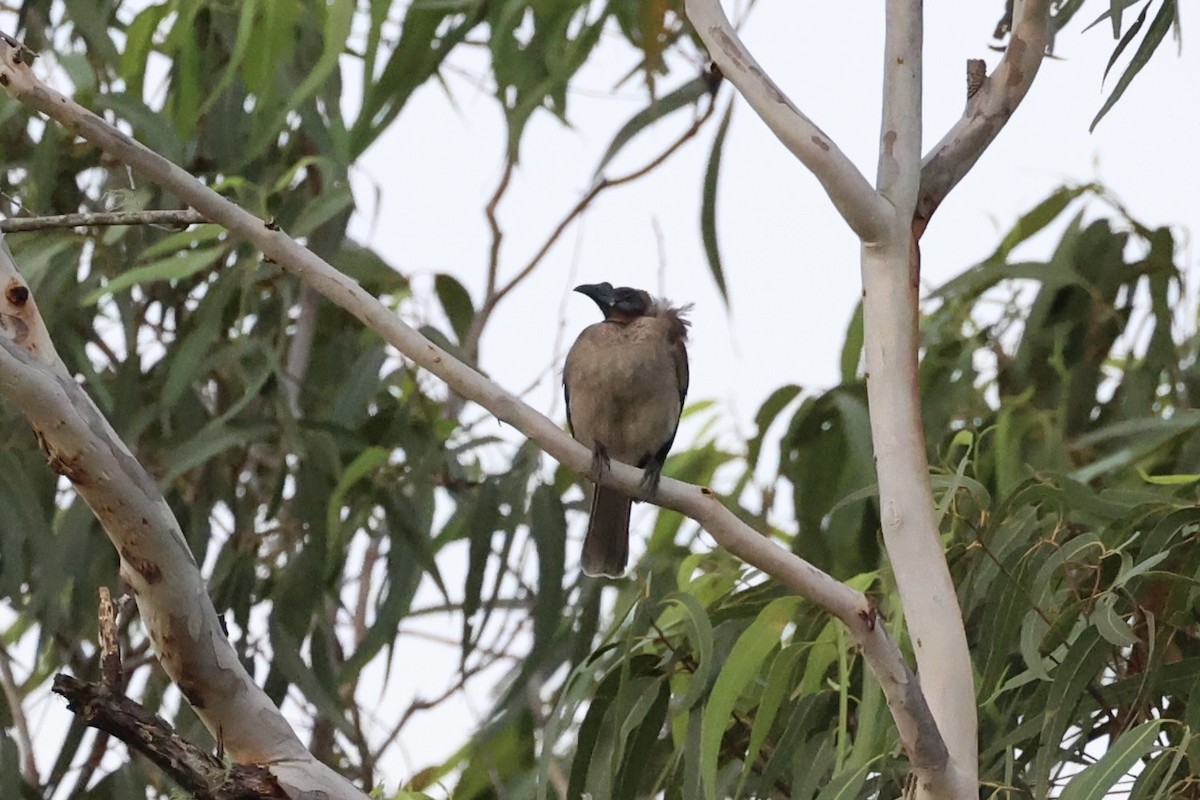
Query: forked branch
{"x": 856, "y": 200}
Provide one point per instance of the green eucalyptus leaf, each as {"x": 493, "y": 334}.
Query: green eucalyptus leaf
{"x": 740, "y": 668}
{"x": 174, "y": 267}
{"x": 1155, "y": 34}
{"x": 456, "y": 302}
{"x": 708, "y": 205}
{"x": 1095, "y": 781}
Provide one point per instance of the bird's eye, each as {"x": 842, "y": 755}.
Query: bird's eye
{"x": 628, "y": 301}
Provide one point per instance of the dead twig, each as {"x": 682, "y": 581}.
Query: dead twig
{"x": 200, "y": 773}
{"x": 170, "y": 219}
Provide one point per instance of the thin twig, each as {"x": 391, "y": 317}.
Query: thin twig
{"x": 363, "y": 599}
{"x": 160, "y": 218}
{"x": 90, "y": 764}
{"x": 418, "y": 705}
{"x": 12, "y": 694}
{"x": 496, "y": 655}
{"x": 600, "y": 186}
{"x": 661, "y": 247}
{"x": 505, "y": 603}
{"x": 494, "y": 225}
{"x": 300, "y": 345}
{"x": 475, "y": 331}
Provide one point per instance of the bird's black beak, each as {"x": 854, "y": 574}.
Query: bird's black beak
{"x": 601, "y": 293}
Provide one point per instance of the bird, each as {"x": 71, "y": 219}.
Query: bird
{"x": 625, "y": 380}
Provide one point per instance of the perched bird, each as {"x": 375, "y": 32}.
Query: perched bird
{"x": 624, "y": 380}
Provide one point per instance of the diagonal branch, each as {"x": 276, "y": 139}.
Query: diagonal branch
{"x": 861, "y": 206}
{"x": 59, "y": 410}
{"x": 988, "y": 108}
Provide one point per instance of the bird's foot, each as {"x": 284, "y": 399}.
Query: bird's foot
{"x": 649, "y": 484}
{"x": 600, "y": 461}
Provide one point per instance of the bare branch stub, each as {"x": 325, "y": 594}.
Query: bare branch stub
{"x": 110, "y": 648}
{"x": 988, "y": 108}
{"x": 714, "y": 77}
{"x": 976, "y": 75}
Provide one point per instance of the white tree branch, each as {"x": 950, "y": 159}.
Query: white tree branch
{"x": 890, "y": 316}
{"x": 863, "y": 209}
{"x": 75, "y": 434}
{"x": 907, "y": 518}
{"x": 988, "y": 109}
{"x": 899, "y": 170}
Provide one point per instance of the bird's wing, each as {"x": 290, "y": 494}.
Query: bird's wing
{"x": 679, "y": 353}
{"x": 567, "y": 392}
{"x": 680, "y": 359}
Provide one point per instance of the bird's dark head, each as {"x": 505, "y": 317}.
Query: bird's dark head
{"x": 621, "y": 304}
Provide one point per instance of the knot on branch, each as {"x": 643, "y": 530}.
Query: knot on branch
{"x": 14, "y": 55}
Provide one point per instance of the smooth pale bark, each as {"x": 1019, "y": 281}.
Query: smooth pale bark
{"x": 891, "y": 286}
{"x": 988, "y": 109}
{"x": 906, "y": 509}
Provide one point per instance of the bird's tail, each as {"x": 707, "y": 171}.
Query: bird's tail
{"x": 606, "y": 548}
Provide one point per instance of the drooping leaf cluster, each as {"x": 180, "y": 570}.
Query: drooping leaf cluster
{"x": 1166, "y": 18}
